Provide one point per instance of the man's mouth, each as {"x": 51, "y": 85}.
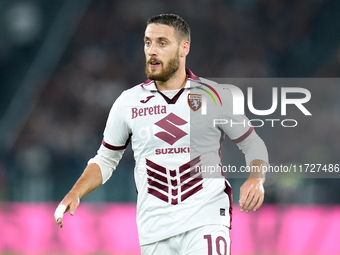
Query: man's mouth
{"x": 154, "y": 63}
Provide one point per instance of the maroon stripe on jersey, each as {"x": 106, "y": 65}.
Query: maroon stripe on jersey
{"x": 189, "y": 164}
{"x": 188, "y": 175}
{"x": 172, "y": 173}
{"x": 191, "y": 75}
{"x": 222, "y": 172}
{"x": 157, "y": 194}
{"x": 157, "y": 176}
{"x": 115, "y": 148}
{"x": 147, "y": 82}
{"x": 196, "y": 169}
{"x": 174, "y": 192}
{"x": 221, "y": 141}
{"x": 229, "y": 192}
{"x": 174, "y": 201}
{"x": 185, "y": 177}
{"x": 190, "y": 184}
{"x": 174, "y": 99}
{"x": 158, "y": 185}
{"x": 184, "y": 167}
{"x": 174, "y": 182}
{"x": 155, "y": 166}
{"x": 191, "y": 192}
{"x": 240, "y": 139}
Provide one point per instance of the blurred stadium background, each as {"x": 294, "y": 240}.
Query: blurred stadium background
{"x": 64, "y": 62}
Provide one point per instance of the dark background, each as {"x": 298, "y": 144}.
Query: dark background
{"x": 63, "y": 63}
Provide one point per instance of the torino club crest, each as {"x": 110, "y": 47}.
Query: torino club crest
{"x": 195, "y": 101}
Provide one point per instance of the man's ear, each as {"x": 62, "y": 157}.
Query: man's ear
{"x": 185, "y": 48}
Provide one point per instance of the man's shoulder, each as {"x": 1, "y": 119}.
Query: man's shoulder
{"x": 146, "y": 86}
{"x": 131, "y": 96}
{"x": 214, "y": 86}
{"x": 136, "y": 90}
{"x": 212, "y": 89}
{"x": 208, "y": 82}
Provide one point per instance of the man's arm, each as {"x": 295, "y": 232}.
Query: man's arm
{"x": 87, "y": 182}
{"x": 100, "y": 168}
{"x": 252, "y": 191}
{"x": 256, "y": 154}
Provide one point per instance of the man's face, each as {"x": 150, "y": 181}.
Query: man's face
{"x": 161, "y": 49}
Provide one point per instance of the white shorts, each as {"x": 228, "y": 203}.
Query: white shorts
{"x": 205, "y": 240}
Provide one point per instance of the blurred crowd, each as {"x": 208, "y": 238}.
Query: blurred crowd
{"x": 230, "y": 38}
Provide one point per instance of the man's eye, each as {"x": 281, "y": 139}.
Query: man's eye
{"x": 147, "y": 43}
{"x": 162, "y": 43}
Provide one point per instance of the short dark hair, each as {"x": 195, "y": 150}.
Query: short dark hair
{"x": 172, "y": 20}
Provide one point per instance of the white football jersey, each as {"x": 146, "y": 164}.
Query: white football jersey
{"x": 173, "y": 140}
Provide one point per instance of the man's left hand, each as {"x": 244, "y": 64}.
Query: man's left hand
{"x": 251, "y": 194}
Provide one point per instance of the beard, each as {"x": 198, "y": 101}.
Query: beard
{"x": 166, "y": 72}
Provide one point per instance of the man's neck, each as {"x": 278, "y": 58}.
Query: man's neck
{"x": 177, "y": 81}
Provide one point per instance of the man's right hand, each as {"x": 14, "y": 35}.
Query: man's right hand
{"x": 69, "y": 203}
{"x": 88, "y": 181}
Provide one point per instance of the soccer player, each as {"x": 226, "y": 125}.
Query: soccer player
{"x": 181, "y": 208}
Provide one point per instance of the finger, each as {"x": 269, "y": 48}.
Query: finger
{"x": 60, "y": 222}
{"x": 59, "y": 213}
{"x": 252, "y": 202}
{"x": 73, "y": 207}
{"x": 243, "y": 199}
{"x": 259, "y": 203}
{"x": 251, "y": 199}
{"x": 243, "y": 196}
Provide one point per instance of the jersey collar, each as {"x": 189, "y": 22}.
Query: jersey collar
{"x": 192, "y": 81}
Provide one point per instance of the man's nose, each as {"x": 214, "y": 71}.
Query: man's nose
{"x": 152, "y": 50}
